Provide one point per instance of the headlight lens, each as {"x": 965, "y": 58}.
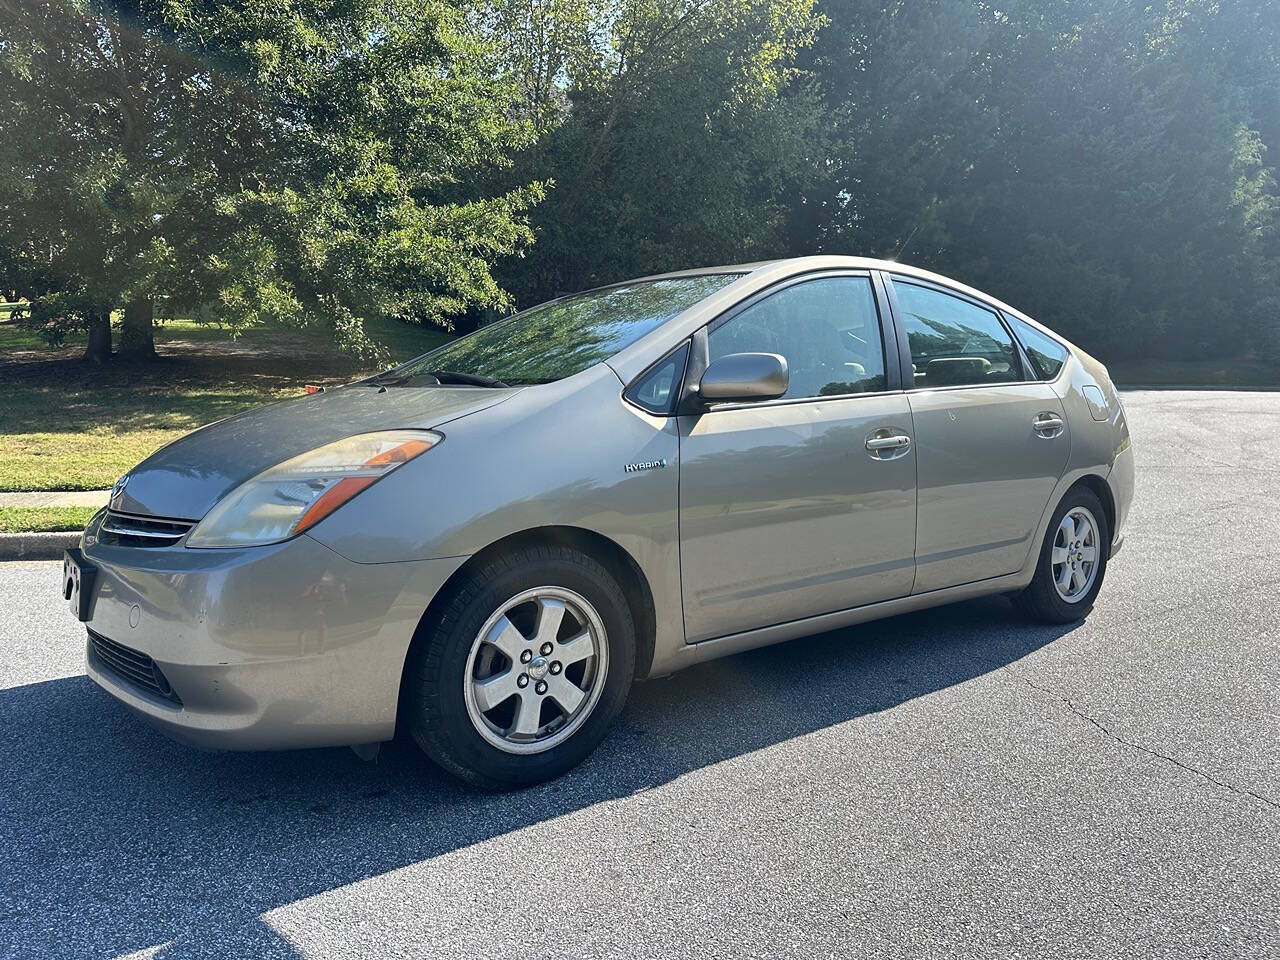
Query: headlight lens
{"x": 281, "y": 502}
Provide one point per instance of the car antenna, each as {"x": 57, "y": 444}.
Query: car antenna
{"x": 903, "y": 245}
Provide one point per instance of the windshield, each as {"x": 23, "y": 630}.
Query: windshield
{"x": 560, "y": 338}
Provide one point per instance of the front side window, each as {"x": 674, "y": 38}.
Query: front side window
{"x": 1046, "y": 353}
{"x": 827, "y": 329}
{"x": 560, "y": 338}
{"x": 954, "y": 342}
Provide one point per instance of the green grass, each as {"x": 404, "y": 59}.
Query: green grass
{"x": 13, "y": 336}
{"x": 66, "y": 425}
{"x": 44, "y": 519}
{"x": 61, "y": 436}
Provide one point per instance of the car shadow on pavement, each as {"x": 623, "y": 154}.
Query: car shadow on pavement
{"x": 116, "y": 839}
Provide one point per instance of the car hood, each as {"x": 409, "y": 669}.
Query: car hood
{"x": 186, "y": 478}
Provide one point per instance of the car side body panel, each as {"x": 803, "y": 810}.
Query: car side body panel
{"x": 554, "y": 457}
{"x": 985, "y": 476}
{"x": 784, "y": 512}
{"x": 515, "y": 474}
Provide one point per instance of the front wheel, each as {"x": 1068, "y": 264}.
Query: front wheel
{"x": 523, "y": 670}
{"x": 1073, "y": 561}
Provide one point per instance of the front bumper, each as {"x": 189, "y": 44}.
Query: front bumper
{"x": 289, "y": 645}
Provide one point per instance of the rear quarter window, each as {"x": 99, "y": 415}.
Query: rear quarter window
{"x": 1047, "y": 354}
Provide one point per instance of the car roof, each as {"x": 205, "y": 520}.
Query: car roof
{"x": 793, "y": 265}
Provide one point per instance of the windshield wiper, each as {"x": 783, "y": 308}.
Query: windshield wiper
{"x": 466, "y": 379}
{"x": 385, "y": 380}
{"x": 434, "y": 378}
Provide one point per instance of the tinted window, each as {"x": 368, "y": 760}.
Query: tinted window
{"x": 656, "y": 390}
{"x": 1046, "y": 353}
{"x": 953, "y": 342}
{"x": 828, "y": 330}
{"x": 564, "y": 337}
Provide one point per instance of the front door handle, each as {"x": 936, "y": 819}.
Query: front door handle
{"x": 887, "y": 445}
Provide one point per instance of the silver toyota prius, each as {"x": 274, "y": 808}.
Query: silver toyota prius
{"x": 486, "y": 545}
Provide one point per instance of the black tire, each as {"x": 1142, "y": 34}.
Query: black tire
{"x": 1041, "y": 600}
{"x": 434, "y": 705}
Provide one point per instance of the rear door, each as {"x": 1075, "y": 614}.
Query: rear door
{"x": 785, "y": 512}
{"x": 991, "y": 443}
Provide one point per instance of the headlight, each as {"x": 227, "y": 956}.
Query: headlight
{"x": 281, "y": 502}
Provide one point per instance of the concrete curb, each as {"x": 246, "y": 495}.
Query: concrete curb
{"x": 36, "y": 546}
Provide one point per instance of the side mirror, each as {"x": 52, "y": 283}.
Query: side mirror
{"x": 745, "y": 376}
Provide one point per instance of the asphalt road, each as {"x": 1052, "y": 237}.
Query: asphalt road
{"x": 948, "y": 784}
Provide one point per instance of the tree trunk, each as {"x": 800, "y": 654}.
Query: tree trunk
{"x": 99, "y": 348}
{"x": 137, "y": 339}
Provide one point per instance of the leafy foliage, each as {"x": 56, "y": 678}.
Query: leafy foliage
{"x": 1109, "y": 167}
{"x": 678, "y": 124}
{"x": 1100, "y": 165}
{"x": 306, "y": 162}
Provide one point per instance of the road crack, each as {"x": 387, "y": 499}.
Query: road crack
{"x": 1148, "y": 751}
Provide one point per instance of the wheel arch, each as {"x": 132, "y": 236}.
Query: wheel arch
{"x": 1099, "y": 487}
{"x": 602, "y": 549}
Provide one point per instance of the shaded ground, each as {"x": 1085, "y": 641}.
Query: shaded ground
{"x": 1193, "y": 374}
{"x": 956, "y": 783}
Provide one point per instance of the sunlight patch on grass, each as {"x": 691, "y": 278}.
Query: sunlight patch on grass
{"x": 69, "y": 426}
{"x": 44, "y": 519}
{"x": 56, "y": 438}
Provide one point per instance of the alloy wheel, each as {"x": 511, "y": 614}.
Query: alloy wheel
{"x": 1074, "y": 555}
{"x": 536, "y": 670}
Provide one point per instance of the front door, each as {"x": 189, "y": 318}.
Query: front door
{"x": 990, "y": 444}
{"x": 785, "y": 512}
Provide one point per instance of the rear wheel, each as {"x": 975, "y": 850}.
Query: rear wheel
{"x": 1073, "y": 561}
{"x": 524, "y": 668}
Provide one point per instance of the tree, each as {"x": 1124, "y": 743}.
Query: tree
{"x": 901, "y": 119}
{"x": 1102, "y": 165}
{"x": 306, "y": 162}
{"x": 668, "y": 129}
{"x": 1124, "y": 197}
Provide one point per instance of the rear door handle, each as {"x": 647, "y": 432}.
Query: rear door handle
{"x": 1048, "y": 424}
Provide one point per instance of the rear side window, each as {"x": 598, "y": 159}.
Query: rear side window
{"x": 954, "y": 342}
{"x": 1047, "y": 354}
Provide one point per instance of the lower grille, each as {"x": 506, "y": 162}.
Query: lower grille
{"x": 136, "y": 669}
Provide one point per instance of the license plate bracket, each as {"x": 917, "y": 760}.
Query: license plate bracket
{"x": 78, "y": 575}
